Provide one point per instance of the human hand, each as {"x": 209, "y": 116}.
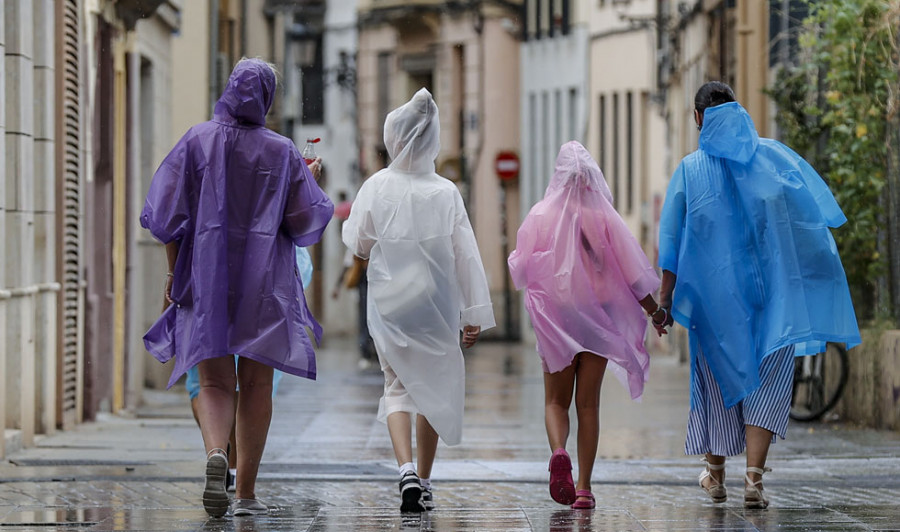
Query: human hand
{"x": 167, "y": 292}
{"x": 661, "y": 324}
{"x": 470, "y": 335}
{"x": 660, "y": 328}
{"x": 315, "y": 168}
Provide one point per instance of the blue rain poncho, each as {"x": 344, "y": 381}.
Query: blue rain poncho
{"x": 745, "y": 228}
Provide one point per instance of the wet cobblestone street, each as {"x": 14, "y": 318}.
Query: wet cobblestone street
{"x": 329, "y": 466}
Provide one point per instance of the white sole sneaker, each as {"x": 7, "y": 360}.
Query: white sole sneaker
{"x": 248, "y": 507}
{"x": 215, "y": 500}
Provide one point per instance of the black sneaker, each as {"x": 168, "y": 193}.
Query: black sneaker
{"x": 411, "y": 493}
{"x": 230, "y": 481}
{"x": 427, "y": 500}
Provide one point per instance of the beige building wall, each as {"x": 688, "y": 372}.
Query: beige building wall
{"x": 190, "y": 69}
{"x": 626, "y": 124}
{"x": 154, "y": 105}
{"x": 632, "y": 165}
{"x": 501, "y": 132}
{"x": 738, "y": 56}
{"x": 28, "y": 278}
{"x": 178, "y": 97}
{"x": 752, "y": 74}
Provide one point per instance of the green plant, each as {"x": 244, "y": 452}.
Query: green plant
{"x": 838, "y": 107}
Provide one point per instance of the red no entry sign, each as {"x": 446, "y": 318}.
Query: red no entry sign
{"x": 507, "y": 165}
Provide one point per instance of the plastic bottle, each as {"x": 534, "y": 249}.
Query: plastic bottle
{"x": 309, "y": 152}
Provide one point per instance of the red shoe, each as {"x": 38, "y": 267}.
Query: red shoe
{"x": 584, "y": 505}
{"x": 562, "y": 487}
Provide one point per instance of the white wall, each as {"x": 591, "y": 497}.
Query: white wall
{"x": 551, "y": 67}
{"x": 340, "y": 154}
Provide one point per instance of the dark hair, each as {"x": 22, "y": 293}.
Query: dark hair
{"x": 712, "y": 94}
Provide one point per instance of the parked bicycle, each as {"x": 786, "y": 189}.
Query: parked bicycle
{"x": 819, "y": 382}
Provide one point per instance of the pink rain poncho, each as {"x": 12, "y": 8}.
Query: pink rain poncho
{"x": 584, "y": 273}
{"x": 236, "y": 197}
{"x": 426, "y": 278}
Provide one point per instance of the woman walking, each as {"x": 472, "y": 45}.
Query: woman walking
{"x": 751, "y": 270}
{"x": 587, "y": 286}
{"x": 230, "y": 202}
{"x": 426, "y": 283}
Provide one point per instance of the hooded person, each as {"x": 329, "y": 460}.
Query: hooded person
{"x": 426, "y": 282}
{"x": 751, "y": 270}
{"x": 586, "y": 280}
{"x": 230, "y": 201}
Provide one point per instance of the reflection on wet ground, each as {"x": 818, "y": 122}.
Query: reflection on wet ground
{"x": 328, "y": 464}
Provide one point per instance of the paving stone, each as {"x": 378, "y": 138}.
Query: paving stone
{"x": 329, "y": 465}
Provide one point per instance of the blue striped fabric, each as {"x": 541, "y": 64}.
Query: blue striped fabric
{"x": 713, "y": 429}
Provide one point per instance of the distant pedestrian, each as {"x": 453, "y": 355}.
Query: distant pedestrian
{"x": 426, "y": 282}
{"x": 353, "y": 277}
{"x": 586, "y": 280}
{"x": 745, "y": 245}
{"x": 230, "y": 201}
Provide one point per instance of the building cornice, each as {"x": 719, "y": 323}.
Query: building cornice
{"x": 393, "y": 10}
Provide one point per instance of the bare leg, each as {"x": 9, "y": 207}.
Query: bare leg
{"x": 426, "y": 446}
{"x": 558, "y": 389}
{"x": 718, "y": 475}
{"x": 215, "y": 402}
{"x": 232, "y": 454}
{"x": 254, "y": 413}
{"x": 195, "y": 406}
{"x": 400, "y": 428}
{"x": 232, "y": 441}
{"x": 589, "y": 369}
{"x": 758, "y": 440}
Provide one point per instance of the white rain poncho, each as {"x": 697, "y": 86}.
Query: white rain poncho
{"x": 426, "y": 279}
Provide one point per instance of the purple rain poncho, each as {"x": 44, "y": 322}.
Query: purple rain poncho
{"x": 583, "y": 273}
{"x": 745, "y": 229}
{"x": 236, "y": 197}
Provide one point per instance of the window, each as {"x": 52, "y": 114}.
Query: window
{"x": 532, "y": 141}
{"x": 383, "y": 89}
{"x": 557, "y": 129}
{"x": 629, "y": 153}
{"x": 573, "y": 113}
{"x": 312, "y": 83}
{"x": 545, "y": 18}
{"x": 545, "y": 144}
{"x": 560, "y": 17}
{"x": 552, "y": 6}
{"x": 615, "y": 149}
{"x": 602, "y": 136}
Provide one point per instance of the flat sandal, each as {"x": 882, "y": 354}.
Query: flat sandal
{"x": 754, "y": 498}
{"x": 716, "y": 488}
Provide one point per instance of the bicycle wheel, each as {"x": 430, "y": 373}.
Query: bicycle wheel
{"x": 819, "y": 381}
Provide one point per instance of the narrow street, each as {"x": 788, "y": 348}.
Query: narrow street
{"x": 328, "y": 464}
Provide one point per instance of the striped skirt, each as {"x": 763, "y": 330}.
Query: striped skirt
{"x": 713, "y": 429}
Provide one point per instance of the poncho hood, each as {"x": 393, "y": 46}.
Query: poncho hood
{"x": 412, "y": 134}
{"x": 576, "y": 168}
{"x": 248, "y": 95}
{"x": 728, "y": 132}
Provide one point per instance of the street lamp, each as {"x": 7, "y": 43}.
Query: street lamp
{"x": 303, "y": 43}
